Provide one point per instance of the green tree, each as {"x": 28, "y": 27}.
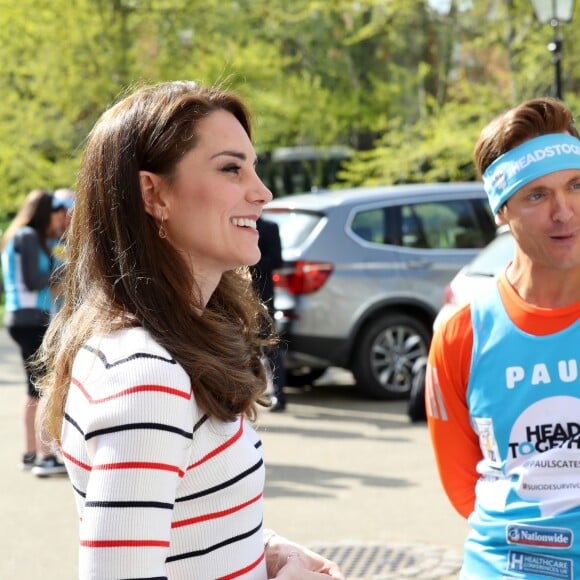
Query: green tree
{"x": 495, "y": 65}
{"x": 397, "y": 80}
{"x": 59, "y": 71}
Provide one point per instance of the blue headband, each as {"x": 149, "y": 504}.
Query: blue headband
{"x": 59, "y": 203}
{"x": 528, "y": 161}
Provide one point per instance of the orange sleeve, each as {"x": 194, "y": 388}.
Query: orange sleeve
{"x": 455, "y": 443}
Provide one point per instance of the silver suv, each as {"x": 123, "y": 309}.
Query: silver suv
{"x": 364, "y": 275}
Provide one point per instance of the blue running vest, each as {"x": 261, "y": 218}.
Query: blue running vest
{"x": 524, "y": 403}
{"x": 17, "y": 295}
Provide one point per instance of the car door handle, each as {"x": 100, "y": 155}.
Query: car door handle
{"x": 418, "y": 264}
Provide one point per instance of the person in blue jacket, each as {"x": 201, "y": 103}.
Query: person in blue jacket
{"x": 27, "y": 267}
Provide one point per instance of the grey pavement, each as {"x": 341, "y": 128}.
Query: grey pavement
{"x": 348, "y": 477}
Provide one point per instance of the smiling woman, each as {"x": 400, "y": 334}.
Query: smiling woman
{"x": 214, "y": 233}
{"x": 154, "y": 360}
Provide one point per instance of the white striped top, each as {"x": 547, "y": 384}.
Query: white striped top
{"x": 162, "y": 491}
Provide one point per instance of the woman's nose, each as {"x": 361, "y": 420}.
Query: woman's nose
{"x": 260, "y": 192}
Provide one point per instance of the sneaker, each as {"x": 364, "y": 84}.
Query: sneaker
{"x": 50, "y": 465}
{"x": 28, "y": 461}
{"x": 278, "y": 406}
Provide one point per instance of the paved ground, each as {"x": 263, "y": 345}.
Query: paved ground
{"x": 349, "y": 477}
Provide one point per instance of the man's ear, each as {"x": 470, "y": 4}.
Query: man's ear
{"x": 500, "y": 218}
{"x": 152, "y": 194}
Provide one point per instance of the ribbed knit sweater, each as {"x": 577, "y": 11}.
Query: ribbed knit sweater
{"x": 162, "y": 490}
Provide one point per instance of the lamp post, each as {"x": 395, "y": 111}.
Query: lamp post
{"x": 555, "y": 12}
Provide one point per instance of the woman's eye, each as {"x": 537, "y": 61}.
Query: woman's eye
{"x": 233, "y": 168}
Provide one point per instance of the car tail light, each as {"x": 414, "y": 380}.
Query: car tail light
{"x": 448, "y": 295}
{"x": 303, "y": 277}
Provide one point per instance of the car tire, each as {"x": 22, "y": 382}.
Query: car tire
{"x": 416, "y": 408}
{"x": 303, "y": 376}
{"x": 388, "y": 347}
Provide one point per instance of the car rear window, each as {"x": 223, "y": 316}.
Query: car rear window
{"x": 494, "y": 257}
{"x": 441, "y": 224}
{"x": 295, "y": 226}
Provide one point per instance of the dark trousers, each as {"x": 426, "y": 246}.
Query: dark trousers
{"x": 276, "y": 359}
{"x": 29, "y": 339}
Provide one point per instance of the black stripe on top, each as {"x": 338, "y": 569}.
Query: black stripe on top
{"x": 148, "y": 578}
{"x": 200, "y": 423}
{"x": 70, "y": 420}
{"x": 130, "y": 504}
{"x": 209, "y": 549}
{"x": 222, "y": 485}
{"x": 134, "y": 356}
{"x": 134, "y": 426}
{"x": 77, "y": 490}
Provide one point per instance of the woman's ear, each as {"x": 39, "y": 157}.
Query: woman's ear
{"x": 151, "y": 193}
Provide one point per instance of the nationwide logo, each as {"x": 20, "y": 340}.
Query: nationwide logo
{"x": 558, "y": 538}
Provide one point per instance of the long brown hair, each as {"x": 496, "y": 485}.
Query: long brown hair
{"x": 121, "y": 273}
{"x": 532, "y": 118}
{"x": 35, "y": 212}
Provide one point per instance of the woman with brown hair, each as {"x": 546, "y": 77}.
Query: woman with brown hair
{"x": 27, "y": 268}
{"x": 154, "y": 368}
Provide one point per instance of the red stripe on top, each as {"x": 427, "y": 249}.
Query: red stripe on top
{"x": 75, "y": 460}
{"x": 222, "y": 447}
{"x": 216, "y": 515}
{"x": 131, "y": 391}
{"x": 243, "y": 571}
{"x": 124, "y": 543}
{"x": 139, "y": 465}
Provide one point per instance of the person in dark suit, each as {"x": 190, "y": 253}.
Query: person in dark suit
{"x": 271, "y": 249}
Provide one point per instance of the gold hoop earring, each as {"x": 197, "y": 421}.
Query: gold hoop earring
{"x": 162, "y": 232}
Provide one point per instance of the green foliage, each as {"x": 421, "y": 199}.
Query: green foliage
{"x": 58, "y": 75}
{"x": 436, "y": 148}
{"x": 407, "y": 87}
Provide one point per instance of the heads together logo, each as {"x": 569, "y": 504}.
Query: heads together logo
{"x": 543, "y": 453}
{"x": 528, "y": 161}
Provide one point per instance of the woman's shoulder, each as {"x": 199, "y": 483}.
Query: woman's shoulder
{"x": 134, "y": 352}
{"x": 23, "y": 235}
{"x": 126, "y": 341}
{"x": 27, "y": 234}
{"x": 26, "y": 231}
{"x": 126, "y": 373}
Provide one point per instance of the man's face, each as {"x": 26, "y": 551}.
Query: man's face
{"x": 544, "y": 217}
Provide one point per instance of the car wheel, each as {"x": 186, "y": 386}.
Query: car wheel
{"x": 303, "y": 376}
{"x": 416, "y": 408}
{"x": 383, "y": 365}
